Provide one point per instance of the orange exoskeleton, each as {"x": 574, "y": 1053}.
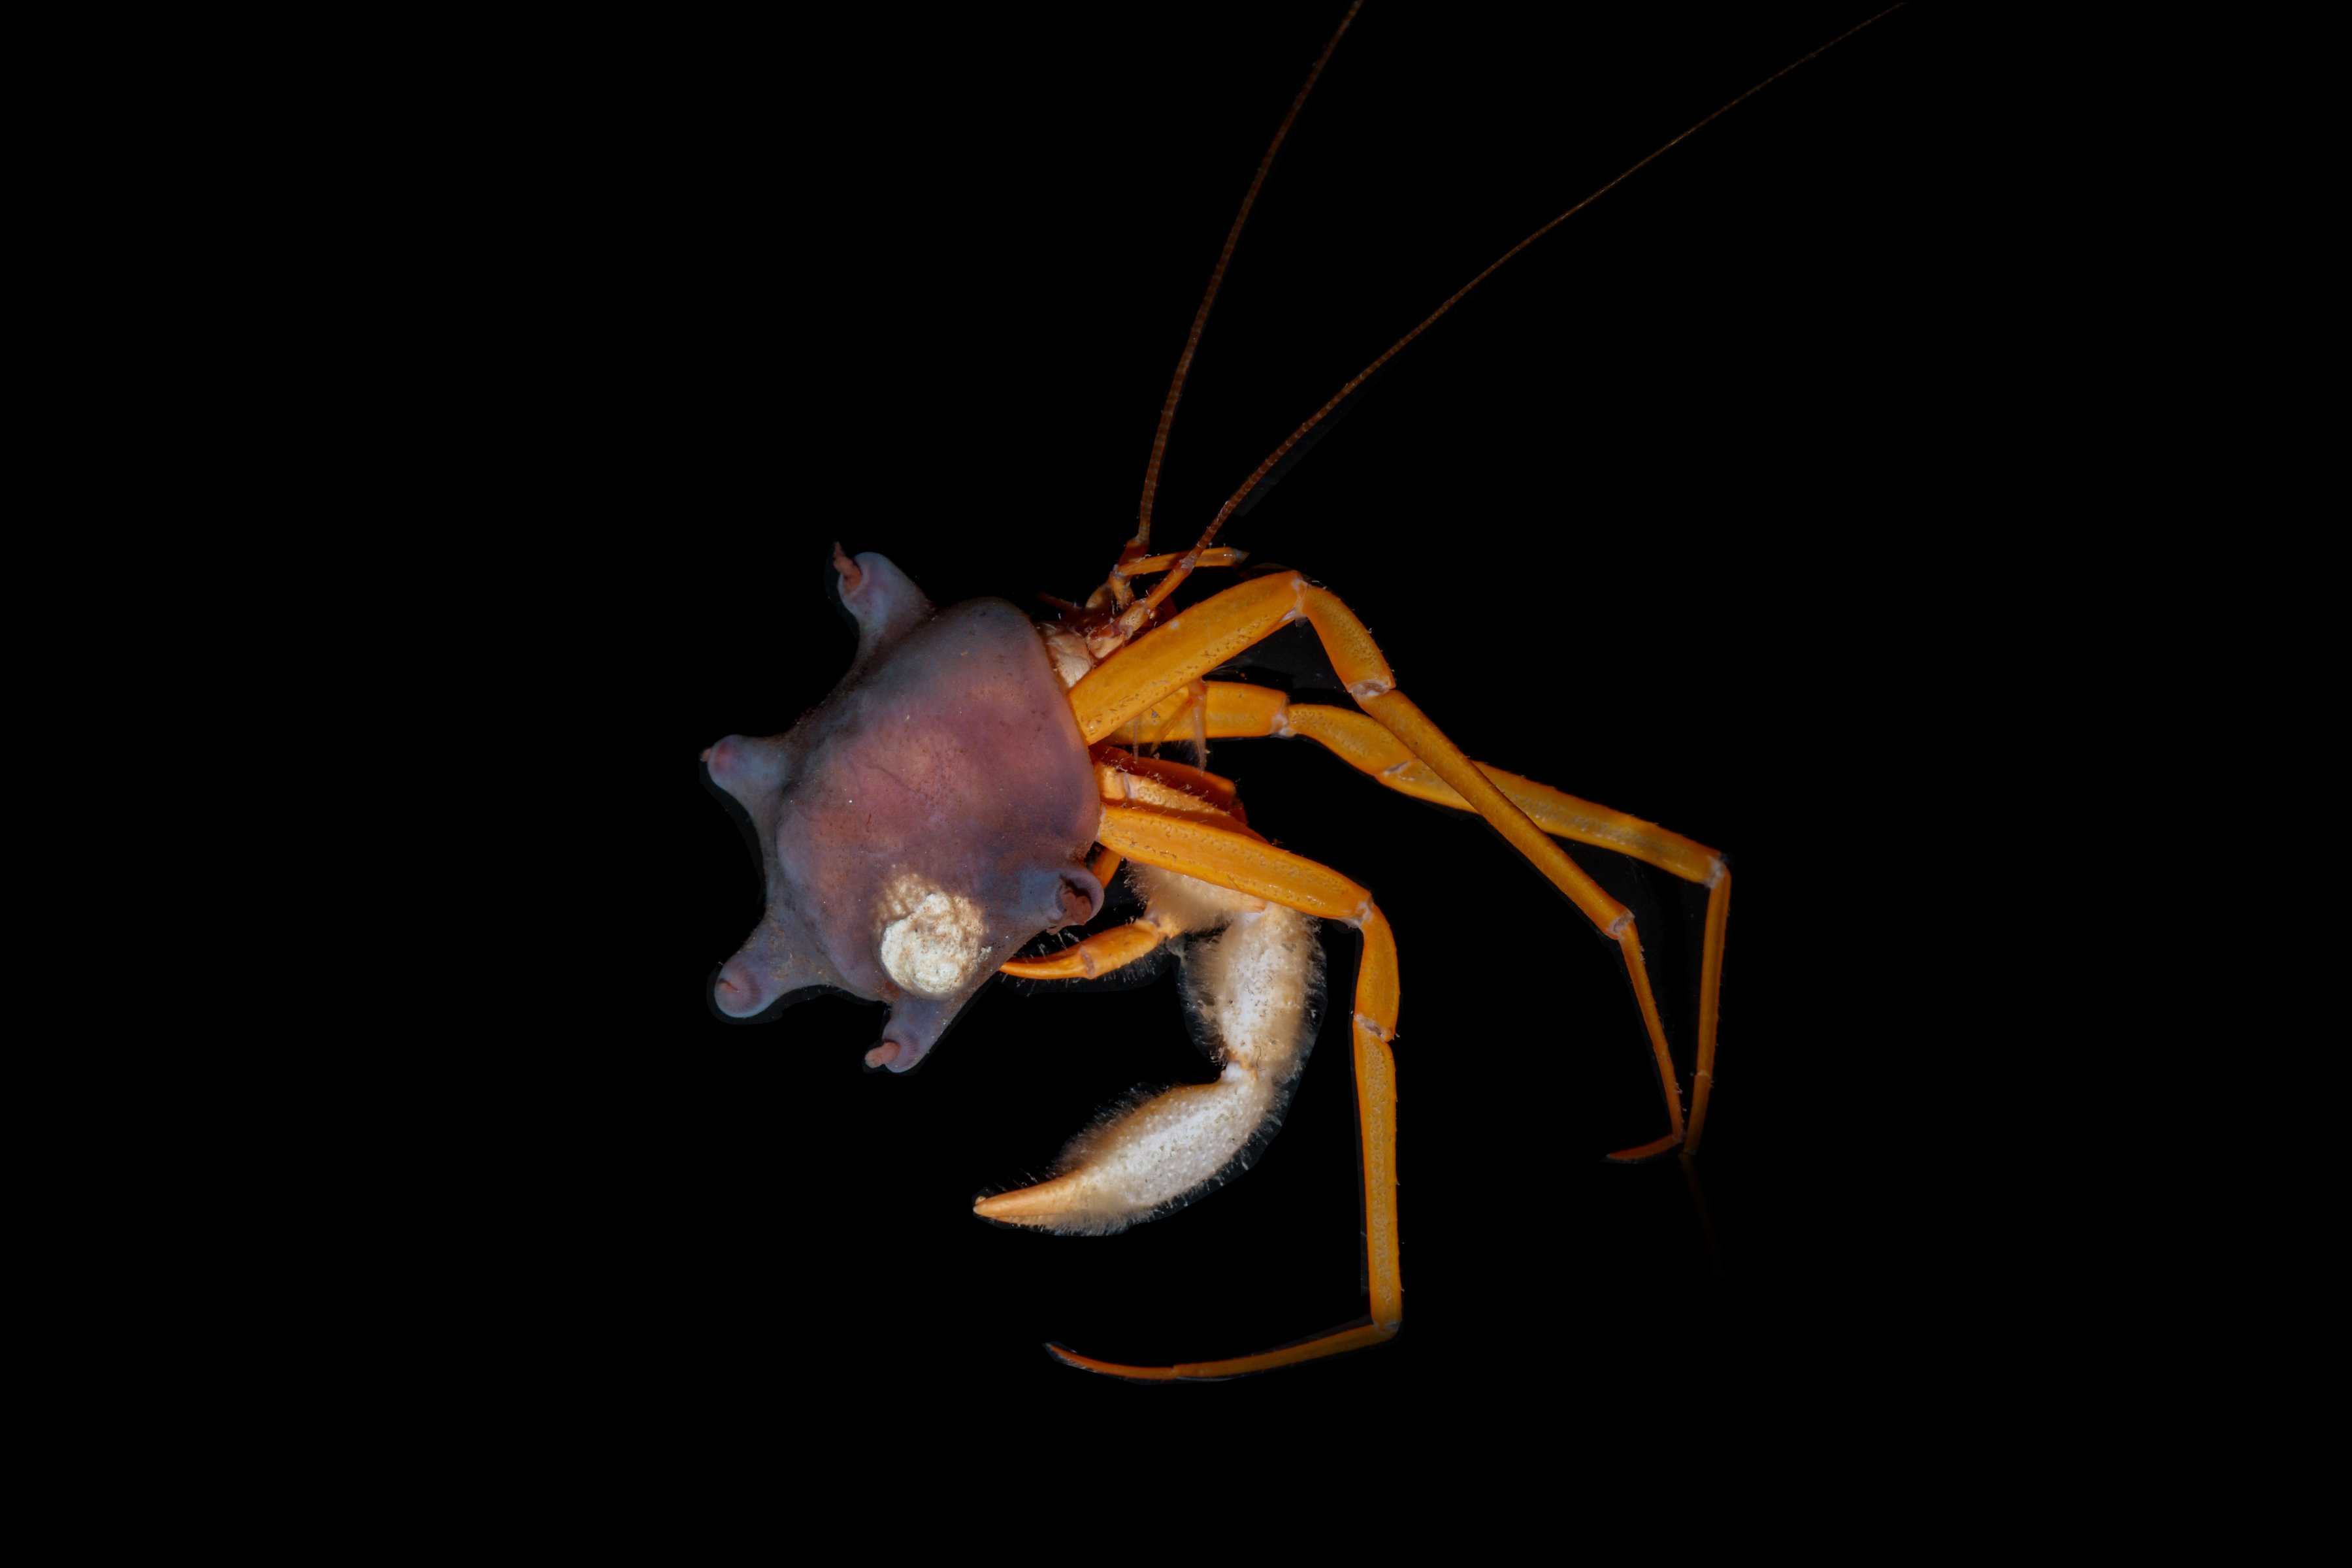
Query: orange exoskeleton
{"x": 977, "y": 780}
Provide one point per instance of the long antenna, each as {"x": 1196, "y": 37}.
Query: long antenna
{"x": 1140, "y": 615}
{"x": 1141, "y": 545}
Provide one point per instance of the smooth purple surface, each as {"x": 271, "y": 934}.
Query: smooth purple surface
{"x": 946, "y": 755}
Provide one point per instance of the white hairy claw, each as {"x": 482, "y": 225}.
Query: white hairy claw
{"x": 1254, "y": 989}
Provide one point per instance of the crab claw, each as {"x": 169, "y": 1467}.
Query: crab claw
{"x": 1148, "y": 1160}
{"x": 1256, "y": 988}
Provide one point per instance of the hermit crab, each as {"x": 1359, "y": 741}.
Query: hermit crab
{"x": 977, "y": 778}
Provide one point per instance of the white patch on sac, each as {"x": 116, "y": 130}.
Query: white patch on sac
{"x": 933, "y": 947}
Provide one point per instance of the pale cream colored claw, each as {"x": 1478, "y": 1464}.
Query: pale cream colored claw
{"x": 1135, "y": 1163}
{"x": 1252, "y": 976}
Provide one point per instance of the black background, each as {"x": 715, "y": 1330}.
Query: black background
{"x": 1664, "y": 518}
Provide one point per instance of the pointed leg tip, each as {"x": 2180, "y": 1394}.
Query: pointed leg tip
{"x": 1357, "y": 1336}
{"x": 1650, "y": 1151}
{"x": 1071, "y": 1358}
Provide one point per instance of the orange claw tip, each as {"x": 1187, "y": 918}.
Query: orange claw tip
{"x": 1066, "y": 965}
{"x": 1040, "y": 1202}
{"x": 883, "y": 1055}
{"x": 1650, "y": 1151}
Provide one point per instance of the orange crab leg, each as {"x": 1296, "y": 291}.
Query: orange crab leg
{"x": 1378, "y": 997}
{"x": 1206, "y": 788}
{"x": 1215, "y": 555}
{"x": 1152, "y": 669}
{"x": 1235, "y": 710}
{"x": 1155, "y": 667}
{"x": 1363, "y": 744}
{"x": 1098, "y": 954}
{"x": 1165, "y": 787}
{"x": 1168, "y": 660}
{"x": 1240, "y": 711}
{"x": 1230, "y": 858}
{"x": 1710, "y": 998}
{"x": 1367, "y": 746}
{"x": 1339, "y": 1341}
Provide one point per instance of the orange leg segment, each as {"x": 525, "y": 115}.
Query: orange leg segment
{"x": 1215, "y": 555}
{"x": 1230, "y": 858}
{"x": 1372, "y": 749}
{"x": 1235, "y": 710}
{"x": 1629, "y": 944}
{"x": 1098, "y": 954}
{"x": 1378, "y": 998}
{"x": 1364, "y": 745}
{"x": 1164, "y": 662}
{"x": 1235, "y": 860}
{"x": 1152, "y": 674}
{"x": 1710, "y": 999}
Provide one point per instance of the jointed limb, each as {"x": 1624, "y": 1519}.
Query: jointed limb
{"x": 1216, "y": 854}
{"x": 1373, "y": 750}
{"x": 1230, "y": 858}
{"x": 1157, "y": 674}
{"x": 1158, "y": 817}
{"x": 1166, "y": 661}
{"x": 1234, "y": 710}
{"x": 1164, "y": 787}
{"x": 1370, "y": 748}
{"x": 1098, "y": 954}
{"x": 1153, "y": 781}
{"x": 1710, "y": 999}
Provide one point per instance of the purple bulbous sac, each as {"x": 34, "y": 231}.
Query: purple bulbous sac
{"x": 922, "y": 824}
